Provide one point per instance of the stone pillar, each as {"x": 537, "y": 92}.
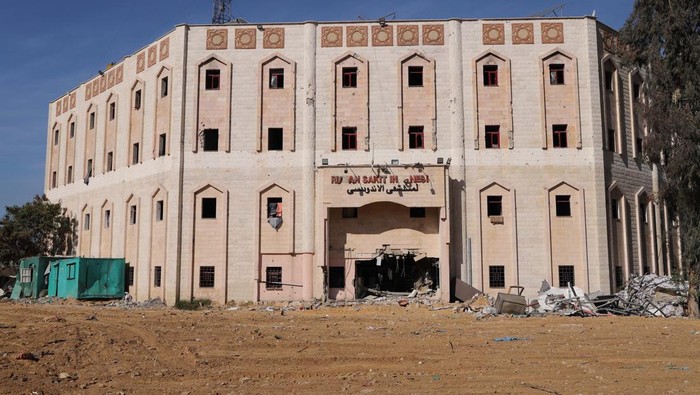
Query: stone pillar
{"x": 308, "y": 93}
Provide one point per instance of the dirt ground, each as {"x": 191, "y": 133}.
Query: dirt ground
{"x": 368, "y": 349}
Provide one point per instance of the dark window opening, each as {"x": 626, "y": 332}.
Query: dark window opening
{"x": 609, "y": 81}
{"x": 70, "y": 174}
{"x": 110, "y": 161}
{"x": 210, "y": 140}
{"x": 490, "y": 75}
{"x": 556, "y": 74}
{"x": 493, "y": 136}
{"x": 157, "y": 272}
{"x": 415, "y": 137}
{"x": 643, "y": 213}
{"x": 56, "y": 135}
{"x": 72, "y": 130}
{"x": 112, "y": 111}
{"x": 611, "y": 140}
{"x": 89, "y": 171}
{"x": 336, "y": 277}
{"x": 349, "y": 212}
{"x": 132, "y": 215}
{"x": 276, "y": 78}
{"x": 164, "y": 87}
{"x": 130, "y": 276}
{"x": 135, "y": 154}
{"x": 208, "y": 208}
{"x": 53, "y": 179}
{"x": 417, "y": 212}
{"x": 86, "y": 222}
{"x": 559, "y": 139}
{"x": 275, "y": 139}
{"x": 206, "y": 276}
{"x": 563, "y": 205}
{"x": 640, "y": 145}
{"x": 636, "y": 91}
{"x": 415, "y": 75}
{"x": 159, "y": 210}
{"x": 497, "y": 276}
{"x": 108, "y": 218}
{"x": 349, "y": 138}
{"x": 566, "y": 276}
{"x": 494, "y": 206}
{"x": 273, "y": 278}
{"x": 349, "y": 77}
{"x": 614, "y": 209}
{"x": 212, "y": 80}
{"x": 619, "y": 276}
{"x": 274, "y": 207}
{"x": 137, "y": 99}
{"x": 162, "y": 139}
{"x": 92, "y": 120}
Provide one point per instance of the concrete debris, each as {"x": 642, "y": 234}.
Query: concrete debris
{"x": 650, "y": 295}
{"x": 564, "y": 301}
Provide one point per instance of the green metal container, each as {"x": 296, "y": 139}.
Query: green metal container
{"x": 87, "y": 278}
{"x": 31, "y": 277}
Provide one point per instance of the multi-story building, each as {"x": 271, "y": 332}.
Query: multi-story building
{"x": 303, "y": 160}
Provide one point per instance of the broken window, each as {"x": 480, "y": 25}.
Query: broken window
{"x": 159, "y": 210}
{"x": 276, "y": 78}
{"x": 349, "y": 138}
{"x": 556, "y": 74}
{"x": 417, "y": 212}
{"x": 162, "y": 140}
{"x": 349, "y": 212}
{"x": 209, "y": 208}
{"x": 71, "y": 271}
{"x": 108, "y": 218}
{"x": 157, "y": 272}
{"x": 497, "y": 276}
{"x": 206, "y": 276}
{"x": 88, "y": 173}
{"x": 273, "y": 278}
{"x": 86, "y": 222}
{"x": 559, "y": 136}
{"x": 130, "y": 276}
{"x": 563, "y": 205}
{"x": 275, "y": 139}
{"x": 615, "y": 208}
{"x": 210, "y": 140}
{"x": 274, "y": 212}
{"x": 415, "y": 137}
{"x": 336, "y": 277}
{"x": 92, "y": 120}
{"x": 566, "y": 276}
{"x": 137, "y": 99}
{"x": 112, "y": 111}
{"x": 132, "y": 214}
{"x": 640, "y": 145}
{"x": 135, "y": 154}
{"x": 164, "y": 87}
{"x": 490, "y": 75}
{"x": 110, "y": 160}
{"x": 493, "y": 136}
{"x": 72, "y": 130}
{"x": 494, "y": 205}
{"x": 349, "y": 77}
{"x": 415, "y": 75}
{"x": 212, "y": 79}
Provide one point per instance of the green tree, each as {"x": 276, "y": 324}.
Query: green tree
{"x": 35, "y": 228}
{"x": 663, "y": 38}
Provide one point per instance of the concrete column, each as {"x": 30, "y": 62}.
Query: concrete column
{"x": 308, "y": 92}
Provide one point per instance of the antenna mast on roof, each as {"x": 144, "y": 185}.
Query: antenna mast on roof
{"x": 554, "y": 11}
{"x": 222, "y": 12}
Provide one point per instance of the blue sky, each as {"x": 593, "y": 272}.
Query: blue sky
{"x": 49, "y": 47}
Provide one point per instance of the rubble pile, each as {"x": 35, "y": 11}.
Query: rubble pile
{"x": 128, "y": 302}
{"x": 651, "y": 295}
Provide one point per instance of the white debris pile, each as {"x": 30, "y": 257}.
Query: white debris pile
{"x": 566, "y": 301}
{"x": 656, "y": 295}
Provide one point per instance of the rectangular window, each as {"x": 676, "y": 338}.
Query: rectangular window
{"x": 493, "y": 136}
{"x": 417, "y": 212}
{"x": 209, "y": 208}
{"x": 206, "y": 276}
{"x": 274, "y": 207}
{"x": 157, "y": 273}
{"x": 566, "y": 276}
{"x": 70, "y": 174}
{"x": 611, "y": 140}
{"x": 72, "y": 130}
{"x": 164, "y": 87}
{"x": 71, "y": 271}
{"x": 92, "y": 120}
{"x": 276, "y": 78}
{"x": 349, "y": 138}
{"x": 137, "y": 99}
{"x": 640, "y": 145}
{"x": 108, "y": 219}
{"x": 490, "y": 75}
{"x": 559, "y": 139}
{"x": 497, "y": 276}
{"x": 110, "y": 161}
{"x": 609, "y": 81}
{"x": 212, "y": 79}
{"x": 636, "y": 91}
{"x": 162, "y": 140}
{"x": 88, "y": 173}
{"x": 556, "y": 74}
{"x": 349, "y": 77}
{"x": 135, "y": 154}
{"x": 112, "y": 111}
{"x": 25, "y": 275}
{"x": 415, "y": 137}
{"x": 615, "y": 209}
{"x": 54, "y": 177}
{"x": 159, "y": 210}
{"x": 619, "y": 276}
{"x": 336, "y": 277}
{"x": 643, "y": 213}
{"x": 349, "y": 212}
{"x": 210, "y": 140}
{"x": 273, "y": 278}
{"x": 86, "y": 222}
{"x": 130, "y": 276}
{"x": 56, "y": 135}
{"x": 494, "y": 206}
{"x": 274, "y": 139}
{"x": 132, "y": 215}
{"x": 563, "y": 205}
{"x": 415, "y": 75}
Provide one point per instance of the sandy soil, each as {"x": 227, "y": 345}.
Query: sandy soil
{"x": 379, "y": 349}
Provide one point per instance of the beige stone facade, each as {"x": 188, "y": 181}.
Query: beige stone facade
{"x": 300, "y": 161}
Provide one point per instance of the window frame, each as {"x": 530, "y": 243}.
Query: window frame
{"x": 137, "y": 99}
{"x": 416, "y": 137}
{"x": 494, "y": 205}
{"x": 110, "y": 161}
{"x": 208, "y": 208}
{"x": 107, "y": 219}
{"x": 71, "y": 129}
{"x": 212, "y": 79}
{"x": 273, "y": 273}
{"x": 86, "y": 221}
{"x": 497, "y": 276}
{"x": 92, "y": 120}
{"x": 415, "y": 77}
{"x": 207, "y": 276}
{"x": 157, "y": 276}
{"x": 349, "y": 77}
{"x": 492, "y": 136}
{"x": 490, "y": 75}
{"x": 276, "y": 144}
{"x": 69, "y": 176}
{"x": 133, "y": 214}
{"x": 164, "y": 87}
{"x": 566, "y": 270}
{"x": 562, "y": 206}
{"x": 162, "y": 141}
{"x": 349, "y": 138}
{"x": 56, "y": 136}
{"x": 279, "y": 201}
{"x": 135, "y": 153}
{"x": 160, "y": 210}
{"x": 112, "y": 111}
{"x": 560, "y": 136}
{"x": 276, "y": 78}
{"x": 556, "y": 74}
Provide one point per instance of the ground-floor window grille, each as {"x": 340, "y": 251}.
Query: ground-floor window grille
{"x": 273, "y": 278}
{"x": 157, "y": 273}
{"x": 206, "y": 277}
{"x": 336, "y": 277}
{"x": 619, "y": 276}
{"x": 566, "y": 275}
{"x": 130, "y": 276}
{"x": 497, "y": 276}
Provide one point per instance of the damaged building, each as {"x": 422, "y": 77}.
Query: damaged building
{"x": 339, "y": 160}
